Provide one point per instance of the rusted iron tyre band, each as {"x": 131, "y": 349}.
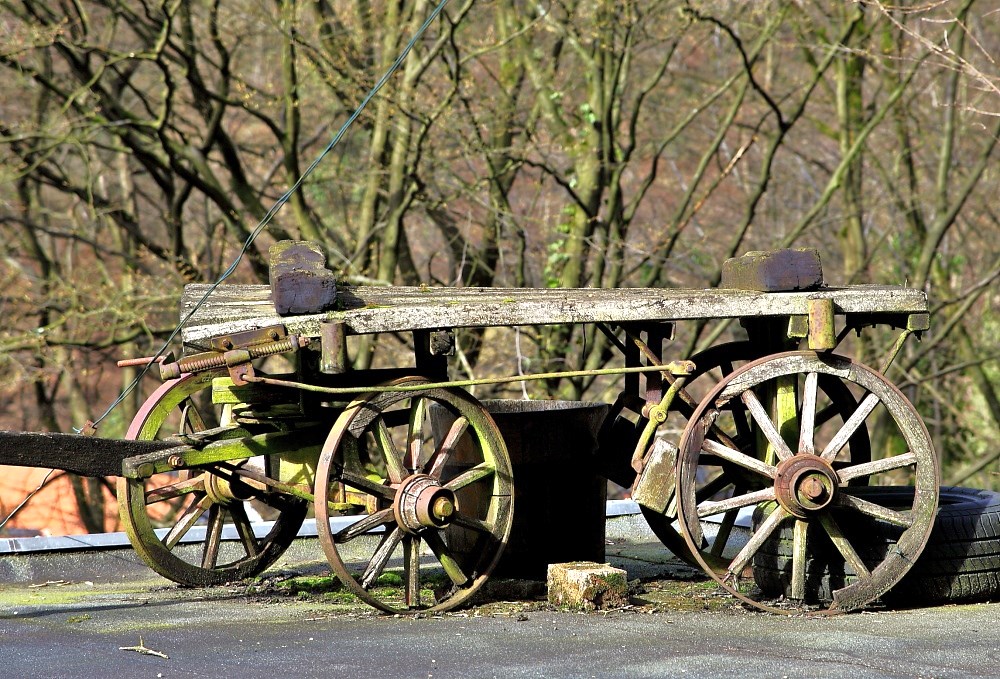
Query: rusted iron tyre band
{"x": 960, "y": 562}
{"x": 800, "y": 484}
{"x": 425, "y": 469}
{"x": 177, "y": 501}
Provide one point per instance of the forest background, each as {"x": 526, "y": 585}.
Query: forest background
{"x": 556, "y": 143}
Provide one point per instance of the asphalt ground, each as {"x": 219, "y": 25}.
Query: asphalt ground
{"x": 127, "y": 622}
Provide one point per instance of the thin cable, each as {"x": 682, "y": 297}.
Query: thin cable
{"x": 269, "y": 216}
{"x": 30, "y": 495}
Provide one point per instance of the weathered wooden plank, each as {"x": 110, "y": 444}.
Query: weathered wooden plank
{"x": 234, "y": 308}
{"x": 84, "y": 455}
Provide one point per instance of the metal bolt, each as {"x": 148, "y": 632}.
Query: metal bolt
{"x": 443, "y": 508}
{"x": 812, "y": 488}
{"x": 656, "y": 413}
{"x": 175, "y": 461}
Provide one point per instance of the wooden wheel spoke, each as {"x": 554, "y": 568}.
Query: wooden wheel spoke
{"x": 719, "y": 483}
{"x": 739, "y": 413}
{"x": 856, "y": 419}
{"x": 362, "y": 526}
{"x": 411, "y": 570}
{"x": 741, "y": 560}
{"x": 472, "y": 522}
{"x": 725, "y": 528}
{"x": 450, "y": 565}
{"x": 740, "y": 421}
{"x": 381, "y": 557}
{"x": 716, "y": 485}
{"x": 199, "y": 504}
{"x": 191, "y": 420}
{"x": 799, "y": 554}
{"x": 447, "y": 447}
{"x": 278, "y": 501}
{"x": 244, "y": 528}
{"x": 213, "y": 536}
{"x": 738, "y": 458}
{"x": 685, "y": 403}
{"x": 719, "y": 436}
{"x": 843, "y": 545}
{"x": 415, "y": 434}
{"x": 471, "y": 475}
{"x": 876, "y": 466}
{"x": 176, "y": 489}
{"x": 807, "y": 416}
{"x": 763, "y": 421}
{"x": 713, "y": 507}
{"x": 393, "y": 460}
{"x": 874, "y": 510}
{"x": 367, "y": 485}
{"x": 827, "y": 413}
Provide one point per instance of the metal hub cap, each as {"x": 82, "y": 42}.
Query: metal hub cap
{"x": 421, "y": 502}
{"x": 805, "y": 483}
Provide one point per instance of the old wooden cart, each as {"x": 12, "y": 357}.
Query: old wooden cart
{"x": 409, "y": 476}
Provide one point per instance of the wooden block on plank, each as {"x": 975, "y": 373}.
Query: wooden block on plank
{"x": 300, "y": 281}
{"x": 774, "y": 271}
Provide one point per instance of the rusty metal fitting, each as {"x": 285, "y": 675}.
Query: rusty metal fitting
{"x": 142, "y": 361}
{"x": 175, "y": 461}
{"x": 216, "y": 360}
{"x": 421, "y": 502}
{"x": 654, "y": 412}
{"x": 442, "y": 508}
{"x": 223, "y": 491}
{"x": 822, "y": 333}
{"x": 333, "y": 348}
{"x": 195, "y": 364}
{"x": 680, "y": 368}
{"x": 804, "y": 484}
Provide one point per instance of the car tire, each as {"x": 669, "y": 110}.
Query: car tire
{"x": 960, "y": 562}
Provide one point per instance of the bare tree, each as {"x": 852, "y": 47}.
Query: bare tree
{"x": 606, "y": 144}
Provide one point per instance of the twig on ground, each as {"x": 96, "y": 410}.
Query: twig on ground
{"x": 141, "y": 648}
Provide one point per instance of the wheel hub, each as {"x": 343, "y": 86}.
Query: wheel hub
{"x": 223, "y": 491}
{"x": 421, "y": 502}
{"x": 804, "y": 484}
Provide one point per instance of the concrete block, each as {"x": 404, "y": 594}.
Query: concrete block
{"x": 587, "y": 586}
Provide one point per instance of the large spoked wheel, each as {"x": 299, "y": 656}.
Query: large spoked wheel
{"x": 181, "y": 522}
{"x": 835, "y": 402}
{"x": 431, "y": 469}
{"x": 800, "y": 483}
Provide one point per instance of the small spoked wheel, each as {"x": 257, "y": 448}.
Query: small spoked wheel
{"x": 835, "y": 403}
{"x": 794, "y": 475}
{"x": 179, "y": 521}
{"x": 430, "y": 473}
